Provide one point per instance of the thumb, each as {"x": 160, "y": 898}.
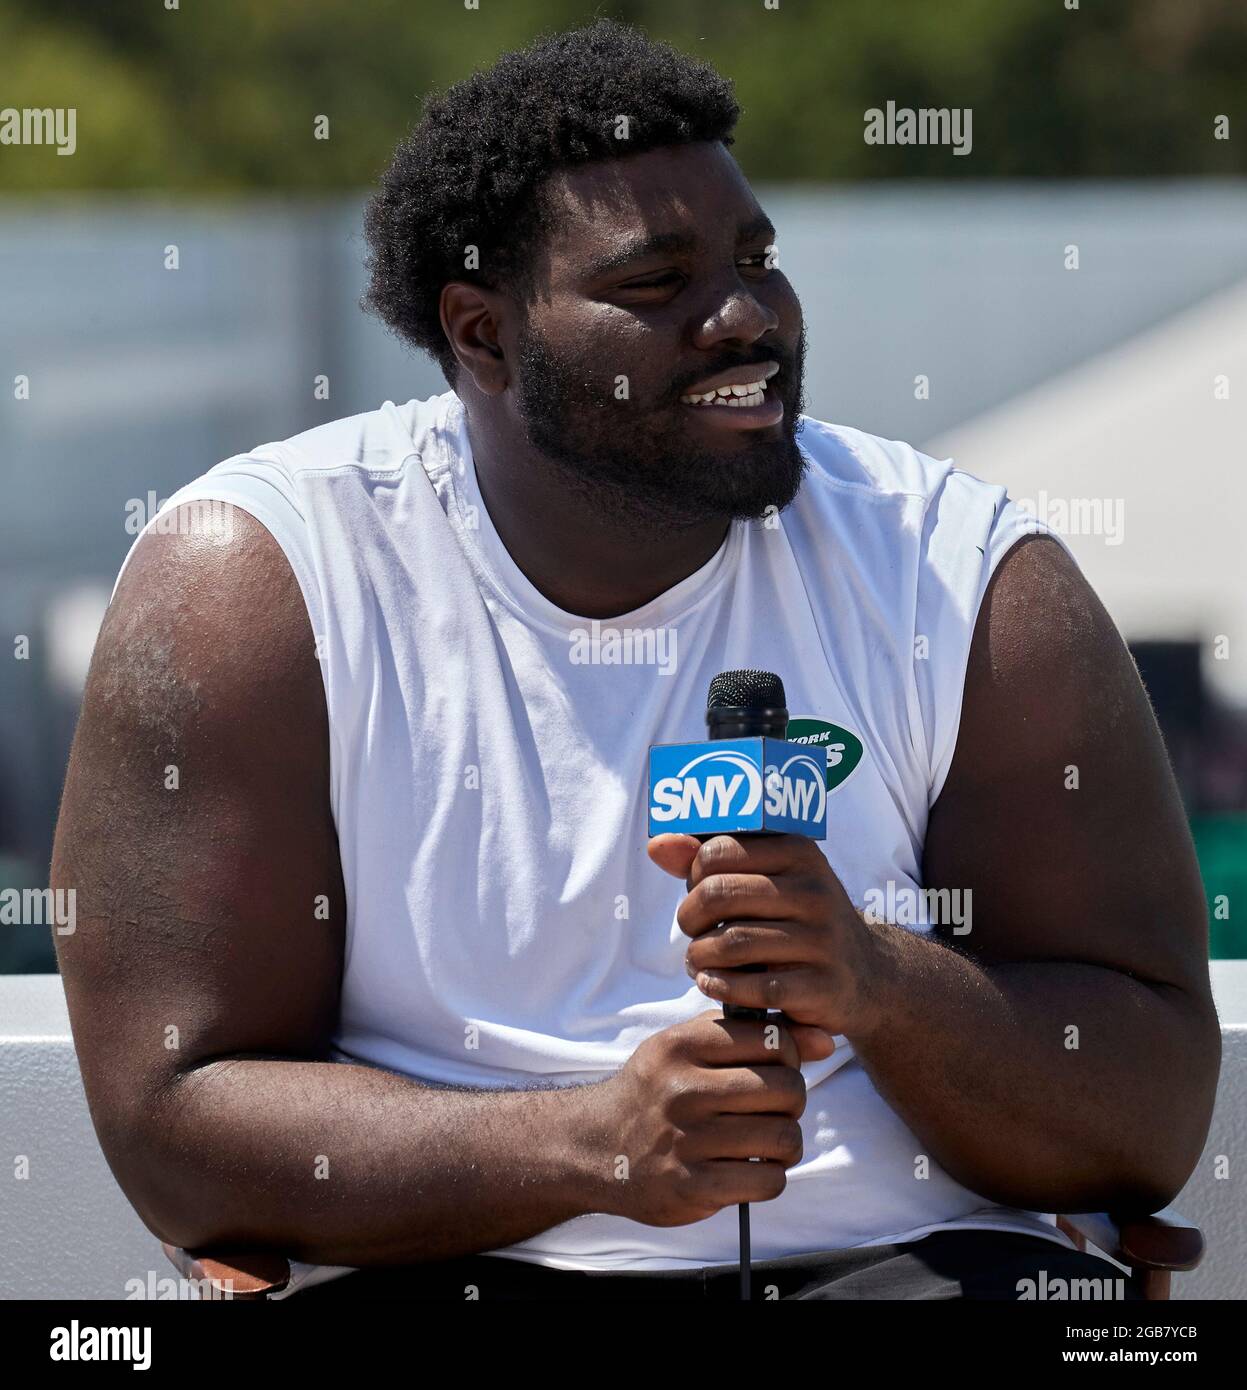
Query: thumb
{"x": 674, "y": 853}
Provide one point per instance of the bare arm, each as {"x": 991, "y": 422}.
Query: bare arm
{"x": 1064, "y": 1054}
{"x": 202, "y": 980}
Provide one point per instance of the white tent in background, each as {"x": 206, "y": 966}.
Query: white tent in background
{"x": 1155, "y": 431}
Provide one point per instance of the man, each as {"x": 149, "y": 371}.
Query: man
{"x": 372, "y": 966}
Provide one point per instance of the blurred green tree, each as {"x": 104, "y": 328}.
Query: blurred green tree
{"x": 213, "y": 97}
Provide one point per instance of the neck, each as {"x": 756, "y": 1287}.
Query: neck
{"x": 573, "y": 550}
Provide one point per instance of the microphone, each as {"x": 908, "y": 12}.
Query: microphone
{"x": 746, "y": 779}
{"x": 746, "y": 704}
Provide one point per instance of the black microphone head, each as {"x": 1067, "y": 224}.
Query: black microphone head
{"x": 746, "y": 690}
{"x": 746, "y": 704}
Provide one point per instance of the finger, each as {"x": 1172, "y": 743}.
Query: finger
{"x": 726, "y": 1182}
{"x": 710, "y": 1040}
{"x": 674, "y": 853}
{"x": 798, "y": 991}
{"x": 750, "y": 942}
{"x": 774, "y": 1138}
{"x": 729, "y": 897}
{"x": 753, "y": 1090}
{"x": 754, "y": 854}
{"x": 782, "y": 1039}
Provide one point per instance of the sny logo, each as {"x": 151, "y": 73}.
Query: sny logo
{"x": 738, "y": 784}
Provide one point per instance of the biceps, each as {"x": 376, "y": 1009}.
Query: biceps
{"x": 1060, "y": 813}
{"x": 196, "y": 835}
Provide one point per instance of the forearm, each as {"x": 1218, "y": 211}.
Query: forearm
{"x": 341, "y": 1164}
{"x": 1047, "y": 1085}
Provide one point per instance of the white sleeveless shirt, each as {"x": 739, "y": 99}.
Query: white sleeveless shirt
{"x": 488, "y": 756}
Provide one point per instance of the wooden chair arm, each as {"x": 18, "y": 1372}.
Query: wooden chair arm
{"x": 1162, "y": 1241}
{"x": 244, "y": 1276}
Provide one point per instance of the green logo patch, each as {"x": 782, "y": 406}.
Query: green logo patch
{"x": 844, "y": 749}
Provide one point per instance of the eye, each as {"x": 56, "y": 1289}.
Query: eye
{"x": 655, "y": 284}
{"x": 757, "y": 261}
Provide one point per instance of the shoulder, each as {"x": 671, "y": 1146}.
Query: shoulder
{"x": 289, "y": 486}
{"x": 851, "y": 462}
{"x": 1046, "y": 652}
{"x": 919, "y": 541}
{"x": 878, "y": 492}
{"x": 209, "y": 607}
{"x": 374, "y": 441}
{"x": 936, "y": 525}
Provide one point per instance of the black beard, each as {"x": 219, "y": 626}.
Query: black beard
{"x": 637, "y": 464}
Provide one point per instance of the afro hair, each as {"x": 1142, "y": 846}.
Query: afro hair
{"x": 471, "y": 172}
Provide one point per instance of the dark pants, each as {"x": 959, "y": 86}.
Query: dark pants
{"x": 948, "y": 1264}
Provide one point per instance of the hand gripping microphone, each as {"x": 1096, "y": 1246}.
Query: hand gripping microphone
{"x": 746, "y": 779}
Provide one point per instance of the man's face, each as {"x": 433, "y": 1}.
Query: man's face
{"x": 655, "y": 282}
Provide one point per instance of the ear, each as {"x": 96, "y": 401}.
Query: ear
{"x": 471, "y": 320}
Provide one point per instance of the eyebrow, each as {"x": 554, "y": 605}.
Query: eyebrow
{"x": 669, "y": 243}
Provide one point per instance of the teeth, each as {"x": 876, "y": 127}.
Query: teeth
{"x": 747, "y": 394}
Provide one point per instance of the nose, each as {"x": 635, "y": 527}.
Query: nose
{"x": 739, "y": 316}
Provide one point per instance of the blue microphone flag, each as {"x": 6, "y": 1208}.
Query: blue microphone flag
{"x": 737, "y": 784}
